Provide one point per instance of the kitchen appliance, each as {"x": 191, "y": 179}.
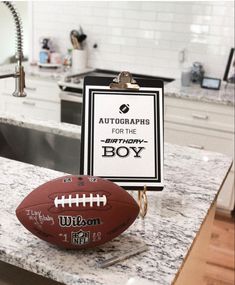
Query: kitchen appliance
{"x": 197, "y": 72}
{"x": 211, "y": 83}
{"x": 72, "y": 89}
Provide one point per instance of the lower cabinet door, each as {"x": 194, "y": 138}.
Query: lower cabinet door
{"x": 204, "y": 139}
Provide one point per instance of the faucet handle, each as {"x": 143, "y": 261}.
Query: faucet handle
{"x": 19, "y": 82}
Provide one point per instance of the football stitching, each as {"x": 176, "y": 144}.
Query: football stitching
{"x": 84, "y": 200}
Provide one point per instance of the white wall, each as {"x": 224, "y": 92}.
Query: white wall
{"x": 143, "y": 37}
{"x": 8, "y": 31}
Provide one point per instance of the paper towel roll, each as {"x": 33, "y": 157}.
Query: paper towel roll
{"x": 79, "y": 60}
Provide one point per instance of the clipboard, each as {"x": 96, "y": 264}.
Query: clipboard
{"x": 122, "y": 131}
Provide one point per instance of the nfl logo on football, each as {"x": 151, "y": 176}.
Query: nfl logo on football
{"x": 80, "y": 238}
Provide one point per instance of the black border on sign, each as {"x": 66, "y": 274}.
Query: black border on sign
{"x": 157, "y": 177}
{"x": 105, "y": 81}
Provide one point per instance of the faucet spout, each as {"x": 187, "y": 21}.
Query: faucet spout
{"x": 19, "y": 70}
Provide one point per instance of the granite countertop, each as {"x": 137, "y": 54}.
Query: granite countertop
{"x": 194, "y": 92}
{"x": 192, "y": 181}
{"x": 39, "y": 72}
{"x": 35, "y": 71}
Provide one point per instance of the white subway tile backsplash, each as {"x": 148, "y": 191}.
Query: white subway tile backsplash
{"x": 146, "y": 43}
{"x": 198, "y": 47}
{"x": 181, "y": 27}
{"x": 220, "y": 11}
{"x": 134, "y": 5}
{"x": 115, "y": 13}
{"x": 145, "y": 34}
{"x": 105, "y": 47}
{"x": 199, "y": 29}
{"x": 183, "y": 9}
{"x": 141, "y": 36}
{"x": 182, "y": 18}
{"x": 147, "y": 15}
{"x": 201, "y": 9}
{"x": 199, "y": 20}
{"x": 160, "y": 26}
{"x": 128, "y": 23}
{"x": 165, "y": 17}
{"x": 150, "y": 5}
{"x": 147, "y": 25}
{"x": 115, "y": 22}
{"x": 132, "y": 33}
{"x": 114, "y": 31}
{"x": 131, "y": 42}
{"x": 176, "y": 37}
{"x": 116, "y": 40}
{"x": 131, "y": 14}
{"x": 99, "y": 11}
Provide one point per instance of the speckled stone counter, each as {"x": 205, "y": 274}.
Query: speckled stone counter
{"x": 40, "y": 72}
{"x": 194, "y": 92}
{"x": 192, "y": 181}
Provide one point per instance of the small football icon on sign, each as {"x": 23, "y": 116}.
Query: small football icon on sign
{"x": 124, "y": 108}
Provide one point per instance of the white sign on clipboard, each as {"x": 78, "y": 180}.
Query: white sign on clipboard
{"x": 122, "y": 131}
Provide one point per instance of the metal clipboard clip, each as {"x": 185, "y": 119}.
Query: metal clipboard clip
{"x": 124, "y": 80}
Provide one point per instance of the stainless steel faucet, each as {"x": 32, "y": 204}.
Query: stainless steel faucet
{"x": 19, "y": 74}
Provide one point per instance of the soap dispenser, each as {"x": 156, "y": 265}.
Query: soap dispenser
{"x": 44, "y": 55}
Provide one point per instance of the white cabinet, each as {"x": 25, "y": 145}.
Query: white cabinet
{"x": 32, "y": 108}
{"x": 206, "y": 126}
{"x": 42, "y": 101}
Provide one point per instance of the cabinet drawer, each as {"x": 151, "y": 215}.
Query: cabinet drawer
{"x": 195, "y": 114}
{"x": 34, "y": 109}
{"x": 199, "y": 138}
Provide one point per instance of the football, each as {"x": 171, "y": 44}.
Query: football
{"x": 77, "y": 211}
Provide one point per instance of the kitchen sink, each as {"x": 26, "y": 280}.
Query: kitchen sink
{"x": 40, "y": 148}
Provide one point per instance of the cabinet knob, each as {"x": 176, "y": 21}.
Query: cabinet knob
{"x": 196, "y": 146}
{"x": 200, "y": 117}
{"x": 29, "y": 103}
{"x": 31, "y": 88}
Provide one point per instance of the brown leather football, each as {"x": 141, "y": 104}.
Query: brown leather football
{"x": 77, "y": 211}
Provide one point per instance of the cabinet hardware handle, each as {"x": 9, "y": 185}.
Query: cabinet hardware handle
{"x": 196, "y": 146}
{"x": 29, "y": 103}
{"x": 31, "y": 88}
{"x": 201, "y": 117}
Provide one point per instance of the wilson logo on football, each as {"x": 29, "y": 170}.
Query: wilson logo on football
{"x": 81, "y": 201}
{"x": 78, "y": 221}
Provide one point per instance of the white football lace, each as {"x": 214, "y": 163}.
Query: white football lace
{"x": 81, "y": 200}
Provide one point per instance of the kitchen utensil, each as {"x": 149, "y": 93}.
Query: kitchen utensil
{"x": 197, "y": 72}
{"x": 74, "y": 35}
{"x": 122, "y": 257}
{"x": 82, "y": 36}
{"x": 77, "y": 37}
{"x": 186, "y": 76}
{"x": 75, "y": 42}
